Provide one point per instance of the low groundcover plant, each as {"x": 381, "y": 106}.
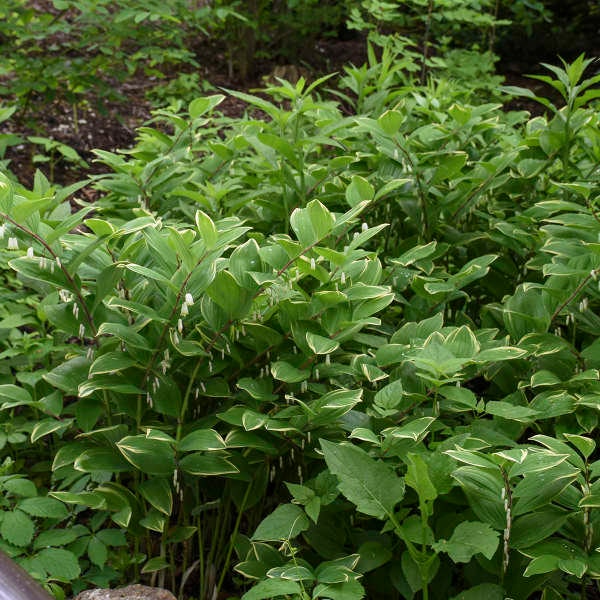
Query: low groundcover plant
{"x": 345, "y": 350}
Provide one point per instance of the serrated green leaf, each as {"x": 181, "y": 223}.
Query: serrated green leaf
{"x": 17, "y": 528}
{"x": 371, "y": 485}
{"x": 60, "y": 564}
{"x": 97, "y": 552}
{"x": 43, "y": 507}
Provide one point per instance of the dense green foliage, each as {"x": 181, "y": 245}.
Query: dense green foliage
{"x": 343, "y": 346}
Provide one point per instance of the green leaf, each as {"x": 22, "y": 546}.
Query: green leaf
{"x": 415, "y": 254}
{"x": 154, "y": 520}
{"x": 207, "y": 229}
{"x": 89, "y": 499}
{"x": 469, "y": 538}
{"x": 58, "y": 537}
{"x": 449, "y": 165}
{"x": 207, "y": 464}
{"x": 483, "y": 591}
{"x": 20, "y": 486}
{"x": 526, "y": 312}
{"x": 390, "y": 396}
{"x": 284, "y": 523}
{"x": 585, "y": 445}
{"x": 414, "y": 430}
{"x": 227, "y": 293}
{"x": 157, "y": 492}
{"x": 14, "y": 393}
{"x": 506, "y": 410}
{"x": 17, "y": 528}
{"x": 348, "y": 590}
{"x": 532, "y": 528}
{"x": 48, "y": 426}
{"x": 151, "y": 456}
{"x": 500, "y": 353}
{"x": 289, "y": 374}
{"x": 391, "y": 121}
{"x": 311, "y": 224}
{"x": 112, "y": 537}
{"x": 68, "y": 375}
{"x": 259, "y": 389}
{"x": 291, "y": 572}
{"x": 483, "y": 487}
{"x": 158, "y": 563}
{"x": 573, "y": 567}
{"x": 30, "y": 267}
{"x": 417, "y": 477}
{"x": 60, "y": 564}
{"x": 201, "y": 439}
{"x": 200, "y": 106}
{"x": 371, "y": 485}
{"x": 43, "y": 507}
{"x": 457, "y": 399}
{"x": 97, "y": 552}
{"x": 125, "y": 333}
{"x": 373, "y": 554}
{"x": 111, "y": 362}
{"x": 321, "y": 345}
{"x": 358, "y": 191}
{"x": 282, "y": 146}
{"x": 101, "y": 459}
{"x": 540, "y": 488}
{"x": 272, "y": 588}
{"x": 542, "y": 564}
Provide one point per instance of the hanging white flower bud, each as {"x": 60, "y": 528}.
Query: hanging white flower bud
{"x": 13, "y": 243}
{"x": 189, "y": 299}
{"x": 184, "y": 310}
{"x": 180, "y": 325}
{"x": 30, "y": 252}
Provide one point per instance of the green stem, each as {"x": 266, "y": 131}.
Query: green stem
{"x": 236, "y": 527}
{"x": 186, "y": 399}
{"x": 426, "y": 42}
{"x": 202, "y": 564}
{"x": 593, "y": 274}
{"x": 72, "y": 284}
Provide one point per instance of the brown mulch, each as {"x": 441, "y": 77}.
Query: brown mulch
{"x": 112, "y": 124}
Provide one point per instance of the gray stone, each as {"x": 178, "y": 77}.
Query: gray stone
{"x": 131, "y": 592}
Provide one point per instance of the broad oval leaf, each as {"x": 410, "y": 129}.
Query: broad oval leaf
{"x": 153, "y": 457}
